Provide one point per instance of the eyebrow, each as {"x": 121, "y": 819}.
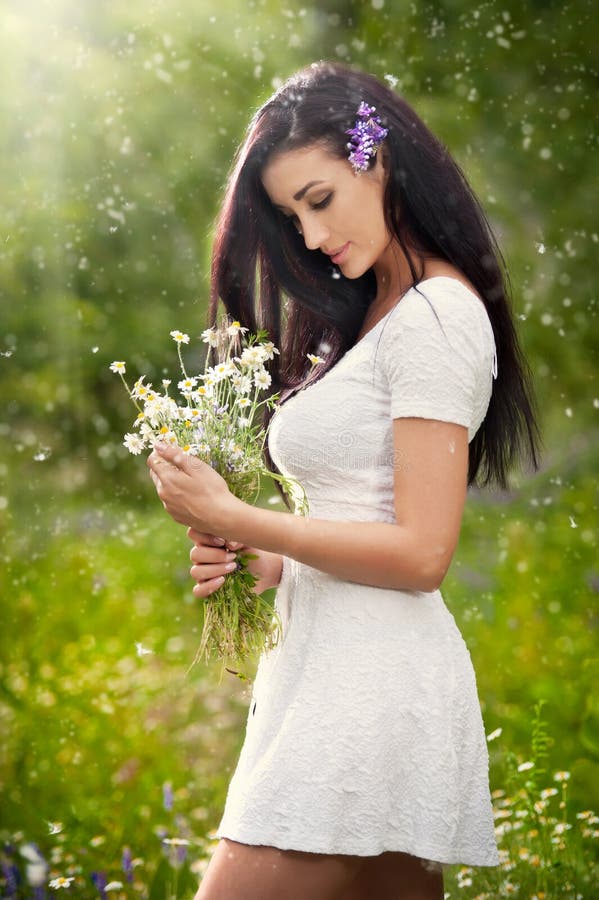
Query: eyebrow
{"x": 306, "y": 187}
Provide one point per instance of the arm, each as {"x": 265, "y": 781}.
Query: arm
{"x": 414, "y": 554}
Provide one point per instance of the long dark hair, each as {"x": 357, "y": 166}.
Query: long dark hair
{"x": 267, "y": 278}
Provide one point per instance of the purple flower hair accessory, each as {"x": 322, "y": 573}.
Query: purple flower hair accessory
{"x": 366, "y": 137}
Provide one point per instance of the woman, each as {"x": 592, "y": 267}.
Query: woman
{"x": 364, "y": 767}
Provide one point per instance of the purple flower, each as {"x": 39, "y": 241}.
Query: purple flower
{"x": 127, "y": 863}
{"x": 11, "y": 877}
{"x": 366, "y": 136}
{"x": 99, "y": 880}
{"x": 167, "y": 795}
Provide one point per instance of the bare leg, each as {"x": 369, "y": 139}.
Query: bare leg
{"x": 244, "y": 872}
{"x": 396, "y": 876}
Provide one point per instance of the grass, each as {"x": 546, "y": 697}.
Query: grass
{"x": 109, "y": 748}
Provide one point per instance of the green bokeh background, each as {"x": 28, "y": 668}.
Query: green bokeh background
{"x": 119, "y": 124}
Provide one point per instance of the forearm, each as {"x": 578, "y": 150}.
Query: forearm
{"x": 375, "y": 553}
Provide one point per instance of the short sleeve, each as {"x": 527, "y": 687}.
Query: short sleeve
{"x": 438, "y": 355}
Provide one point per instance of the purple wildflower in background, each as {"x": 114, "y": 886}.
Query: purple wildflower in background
{"x": 167, "y": 795}
{"x": 127, "y": 863}
{"x": 99, "y": 880}
{"x": 12, "y": 877}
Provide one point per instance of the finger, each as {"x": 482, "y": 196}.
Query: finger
{"x": 206, "y": 572}
{"x": 233, "y": 545}
{"x": 202, "y": 555}
{"x": 173, "y": 455}
{"x": 156, "y": 480}
{"x": 208, "y": 587}
{"x": 201, "y": 537}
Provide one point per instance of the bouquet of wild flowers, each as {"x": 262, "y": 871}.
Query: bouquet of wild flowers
{"x": 217, "y": 418}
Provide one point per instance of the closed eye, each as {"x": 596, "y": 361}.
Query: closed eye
{"x": 322, "y": 204}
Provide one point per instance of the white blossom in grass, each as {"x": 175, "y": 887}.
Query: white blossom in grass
{"x": 315, "y": 360}
{"x": 166, "y": 382}
{"x": 134, "y": 443}
{"x": 525, "y": 766}
{"x": 118, "y": 366}
{"x": 243, "y": 402}
{"x": 179, "y": 337}
{"x": 114, "y": 886}
{"x": 36, "y": 869}
{"x": 243, "y": 422}
{"x": 549, "y": 792}
{"x": 494, "y": 734}
{"x": 141, "y": 650}
{"x": 61, "y": 882}
{"x": 176, "y": 842}
{"x": 209, "y": 336}
{"x": 203, "y": 447}
{"x": 262, "y": 379}
{"x": 54, "y": 827}
{"x": 561, "y": 776}
{"x": 235, "y": 329}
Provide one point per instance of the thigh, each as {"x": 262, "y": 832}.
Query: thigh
{"x": 245, "y": 872}
{"x": 396, "y": 876}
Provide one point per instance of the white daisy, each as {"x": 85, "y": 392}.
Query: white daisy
{"x": 118, "y": 366}
{"x": 134, "y": 443}
{"x": 235, "y": 328}
{"x": 61, "y": 882}
{"x": 209, "y": 336}
{"x": 262, "y": 379}
{"x": 252, "y": 357}
{"x": 187, "y": 385}
{"x": 179, "y": 337}
{"x": 269, "y": 350}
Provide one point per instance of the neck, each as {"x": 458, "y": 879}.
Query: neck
{"x": 393, "y": 275}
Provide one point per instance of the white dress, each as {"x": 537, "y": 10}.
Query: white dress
{"x": 364, "y": 732}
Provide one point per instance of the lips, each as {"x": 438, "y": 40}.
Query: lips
{"x": 338, "y": 254}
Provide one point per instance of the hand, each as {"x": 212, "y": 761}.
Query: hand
{"x": 190, "y": 490}
{"x": 211, "y": 557}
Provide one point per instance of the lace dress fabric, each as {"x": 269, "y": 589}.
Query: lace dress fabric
{"x": 364, "y": 733}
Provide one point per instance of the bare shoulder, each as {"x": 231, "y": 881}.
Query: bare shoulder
{"x": 442, "y": 269}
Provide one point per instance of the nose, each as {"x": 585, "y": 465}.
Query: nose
{"x": 315, "y": 233}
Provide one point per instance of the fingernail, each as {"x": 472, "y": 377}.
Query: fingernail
{"x": 220, "y": 579}
{"x": 230, "y": 567}
{"x": 220, "y": 542}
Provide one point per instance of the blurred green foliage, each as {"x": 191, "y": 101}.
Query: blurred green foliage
{"x": 120, "y": 122}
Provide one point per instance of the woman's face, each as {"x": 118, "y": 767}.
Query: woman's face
{"x": 337, "y": 211}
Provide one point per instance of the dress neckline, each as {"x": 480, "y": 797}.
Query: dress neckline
{"x": 376, "y": 325}
{"x": 412, "y": 288}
